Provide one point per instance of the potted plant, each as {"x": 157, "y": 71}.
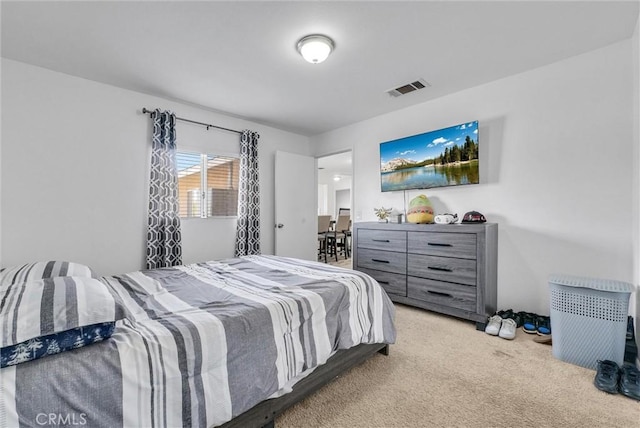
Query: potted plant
{"x": 383, "y": 214}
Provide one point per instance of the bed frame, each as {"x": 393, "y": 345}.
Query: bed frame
{"x": 263, "y": 415}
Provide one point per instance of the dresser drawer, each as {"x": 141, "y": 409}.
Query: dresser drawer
{"x": 387, "y": 261}
{"x": 393, "y": 283}
{"x": 388, "y": 240}
{"x": 442, "y": 293}
{"x": 461, "y": 245}
{"x": 448, "y": 269}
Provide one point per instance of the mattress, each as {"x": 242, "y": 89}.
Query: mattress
{"x": 198, "y": 345}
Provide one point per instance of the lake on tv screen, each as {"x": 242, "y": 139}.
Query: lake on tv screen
{"x": 424, "y": 177}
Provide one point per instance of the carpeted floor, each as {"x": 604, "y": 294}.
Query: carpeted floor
{"x": 442, "y": 372}
{"x": 342, "y": 262}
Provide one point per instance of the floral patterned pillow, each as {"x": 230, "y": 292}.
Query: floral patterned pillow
{"x": 52, "y": 315}
{"x": 40, "y": 270}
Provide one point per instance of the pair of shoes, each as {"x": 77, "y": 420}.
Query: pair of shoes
{"x": 502, "y": 327}
{"x": 630, "y": 335}
{"x": 536, "y": 324}
{"x": 612, "y": 379}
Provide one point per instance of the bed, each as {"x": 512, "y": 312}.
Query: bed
{"x": 222, "y": 343}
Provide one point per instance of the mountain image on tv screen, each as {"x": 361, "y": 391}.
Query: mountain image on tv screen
{"x": 445, "y": 157}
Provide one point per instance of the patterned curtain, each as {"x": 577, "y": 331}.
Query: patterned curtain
{"x": 248, "y": 229}
{"x": 164, "y": 243}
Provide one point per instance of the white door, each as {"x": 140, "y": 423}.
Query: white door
{"x": 295, "y": 204}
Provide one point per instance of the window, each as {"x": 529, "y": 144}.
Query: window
{"x": 218, "y": 175}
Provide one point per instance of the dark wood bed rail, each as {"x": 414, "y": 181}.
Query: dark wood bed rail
{"x": 263, "y": 415}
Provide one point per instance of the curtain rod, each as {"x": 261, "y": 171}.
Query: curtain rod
{"x": 208, "y": 125}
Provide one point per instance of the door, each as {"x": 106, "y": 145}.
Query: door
{"x": 295, "y": 206}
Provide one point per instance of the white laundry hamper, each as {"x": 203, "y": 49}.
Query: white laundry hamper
{"x": 588, "y": 319}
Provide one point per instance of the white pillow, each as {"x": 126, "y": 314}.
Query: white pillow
{"x": 48, "y": 316}
{"x": 41, "y": 270}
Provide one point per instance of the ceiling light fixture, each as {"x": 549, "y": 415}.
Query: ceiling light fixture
{"x": 315, "y": 48}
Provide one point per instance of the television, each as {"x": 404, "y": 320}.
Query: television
{"x": 445, "y": 157}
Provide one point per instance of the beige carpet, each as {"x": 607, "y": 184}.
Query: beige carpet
{"x": 342, "y": 262}
{"x": 444, "y": 373}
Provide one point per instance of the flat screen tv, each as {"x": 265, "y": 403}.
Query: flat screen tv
{"x": 445, "y": 157}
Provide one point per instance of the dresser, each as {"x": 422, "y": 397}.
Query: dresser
{"x": 451, "y": 269}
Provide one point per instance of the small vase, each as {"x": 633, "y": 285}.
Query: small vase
{"x": 383, "y": 220}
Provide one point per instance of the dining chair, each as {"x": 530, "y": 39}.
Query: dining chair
{"x": 337, "y": 238}
{"x": 324, "y": 223}
{"x": 347, "y": 232}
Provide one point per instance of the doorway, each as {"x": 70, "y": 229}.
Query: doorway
{"x": 335, "y": 183}
{"x": 335, "y": 187}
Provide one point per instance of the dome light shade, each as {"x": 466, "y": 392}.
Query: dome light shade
{"x": 315, "y": 48}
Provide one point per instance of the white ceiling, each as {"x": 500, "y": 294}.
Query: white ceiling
{"x": 240, "y": 58}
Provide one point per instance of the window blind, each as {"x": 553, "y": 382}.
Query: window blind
{"x": 217, "y": 175}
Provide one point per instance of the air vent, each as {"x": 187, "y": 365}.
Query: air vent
{"x": 409, "y": 87}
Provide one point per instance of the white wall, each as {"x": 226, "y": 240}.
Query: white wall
{"x": 75, "y": 158}
{"x": 556, "y": 169}
{"x": 1, "y": 61}
{"x": 326, "y": 177}
{"x": 343, "y": 199}
{"x": 635, "y": 40}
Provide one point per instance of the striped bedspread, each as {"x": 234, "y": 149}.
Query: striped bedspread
{"x": 200, "y": 344}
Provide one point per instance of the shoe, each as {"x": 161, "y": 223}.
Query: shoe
{"x": 529, "y": 323}
{"x": 544, "y": 326}
{"x": 505, "y": 314}
{"x": 508, "y": 329}
{"x": 630, "y": 382}
{"x": 493, "y": 326}
{"x": 518, "y": 317}
{"x": 630, "y": 334}
{"x": 607, "y": 376}
{"x": 545, "y": 340}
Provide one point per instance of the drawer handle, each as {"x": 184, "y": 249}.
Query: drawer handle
{"x": 438, "y": 293}
{"x": 383, "y": 282}
{"x": 380, "y": 240}
{"x": 437, "y": 244}
{"x": 438, "y": 268}
{"x": 380, "y": 261}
